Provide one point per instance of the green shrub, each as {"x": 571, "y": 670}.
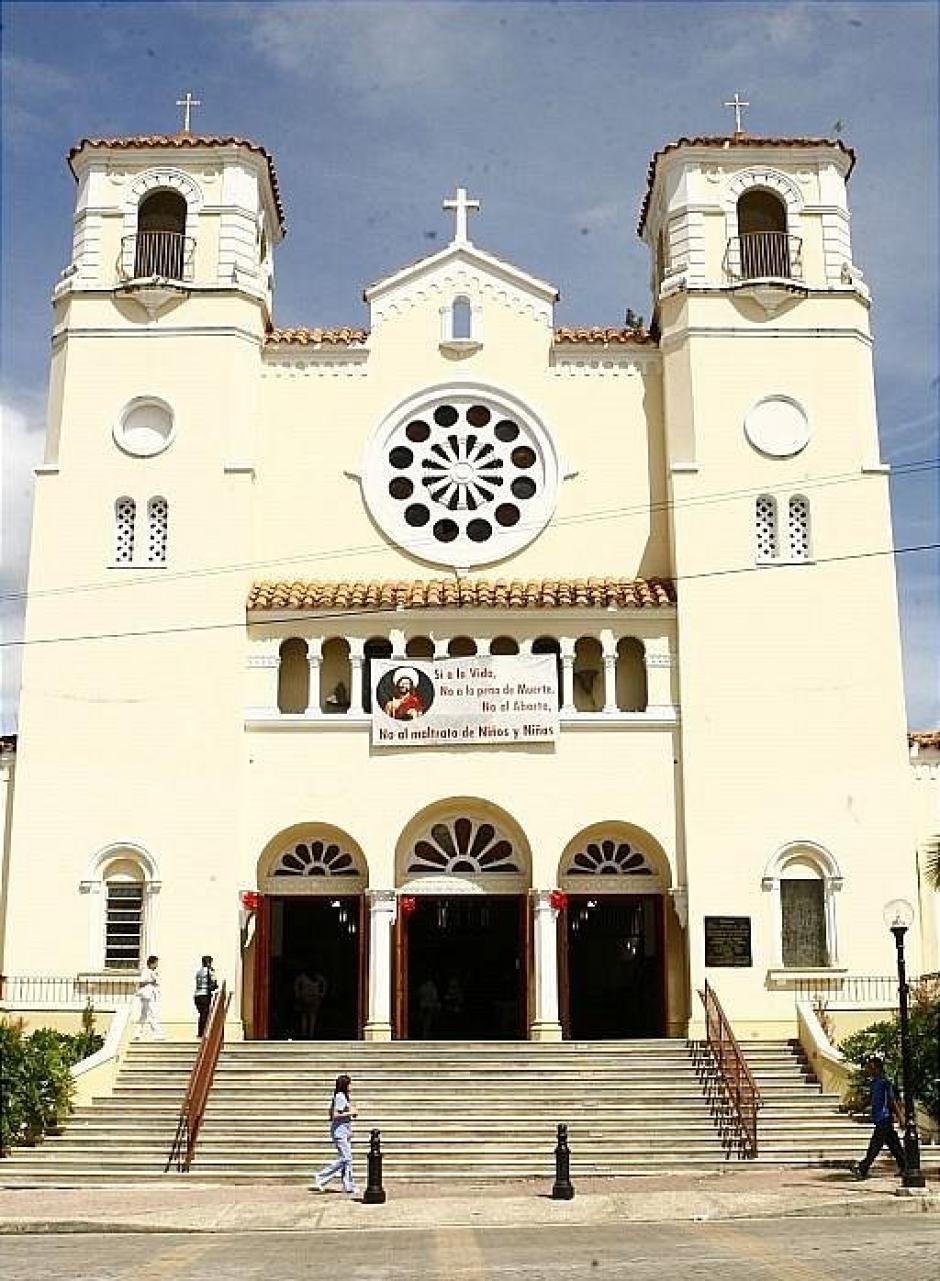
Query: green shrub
{"x": 884, "y": 1040}
{"x": 36, "y": 1083}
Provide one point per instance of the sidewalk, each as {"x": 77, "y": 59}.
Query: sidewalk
{"x": 180, "y": 1206}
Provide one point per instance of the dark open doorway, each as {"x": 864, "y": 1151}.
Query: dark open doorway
{"x": 315, "y": 976}
{"x": 463, "y": 968}
{"x": 615, "y": 967}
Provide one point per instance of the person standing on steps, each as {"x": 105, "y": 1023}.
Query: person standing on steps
{"x": 206, "y": 985}
{"x": 341, "y": 1119}
{"x": 885, "y": 1109}
{"x": 148, "y": 993}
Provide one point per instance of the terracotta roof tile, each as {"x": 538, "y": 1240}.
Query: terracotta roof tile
{"x": 737, "y": 140}
{"x": 466, "y": 593}
{"x": 181, "y": 141}
{"x": 924, "y": 738}
{"x": 598, "y": 334}
{"x": 344, "y": 337}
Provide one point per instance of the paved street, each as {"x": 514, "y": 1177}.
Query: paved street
{"x": 866, "y": 1249}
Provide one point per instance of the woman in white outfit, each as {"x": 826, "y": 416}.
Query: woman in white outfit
{"x": 148, "y": 992}
{"x": 341, "y": 1117}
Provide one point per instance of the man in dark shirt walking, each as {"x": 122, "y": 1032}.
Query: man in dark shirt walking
{"x": 884, "y": 1109}
{"x": 206, "y": 984}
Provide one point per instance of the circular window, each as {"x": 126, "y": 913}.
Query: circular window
{"x": 777, "y": 426}
{"x": 145, "y": 427}
{"x": 461, "y": 478}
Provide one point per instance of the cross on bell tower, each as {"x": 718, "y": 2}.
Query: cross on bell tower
{"x": 187, "y": 104}
{"x": 737, "y": 103}
{"x": 461, "y": 206}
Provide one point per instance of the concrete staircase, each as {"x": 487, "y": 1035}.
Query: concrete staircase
{"x": 447, "y": 1112}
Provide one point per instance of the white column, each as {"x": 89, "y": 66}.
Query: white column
{"x": 546, "y": 1026}
{"x": 382, "y": 909}
{"x": 356, "y": 655}
{"x": 314, "y": 662}
{"x": 567, "y": 675}
{"x": 609, "y": 646}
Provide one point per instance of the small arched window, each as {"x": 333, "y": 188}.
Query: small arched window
{"x": 588, "y": 675}
{"x": 803, "y": 916}
{"x": 293, "y": 677}
{"x": 125, "y": 515}
{"x": 461, "y": 647}
{"x": 161, "y": 235}
{"x": 550, "y": 645}
{"x": 157, "y": 527}
{"x": 123, "y": 915}
{"x": 461, "y": 319}
{"x": 504, "y": 645}
{"x": 421, "y": 647}
{"x": 798, "y": 528}
{"x": 335, "y": 677}
{"x": 377, "y": 647}
{"x": 630, "y": 684}
{"x": 765, "y": 528}
{"x": 762, "y": 234}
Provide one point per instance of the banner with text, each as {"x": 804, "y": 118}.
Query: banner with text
{"x": 498, "y": 699}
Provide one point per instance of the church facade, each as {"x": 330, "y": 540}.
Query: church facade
{"x": 240, "y": 528}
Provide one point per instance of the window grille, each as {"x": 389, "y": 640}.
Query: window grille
{"x": 803, "y": 919}
{"x": 157, "y": 521}
{"x": 125, "y": 511}
{"x": 765, "y": 528}
{"x": 799, "y": 528}
{"x": 124, "y": 919}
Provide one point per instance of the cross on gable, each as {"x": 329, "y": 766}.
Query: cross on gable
{"x": 737, "y": 103}
{"x": 461, "y": 206}
{"x": 187, "y": 104}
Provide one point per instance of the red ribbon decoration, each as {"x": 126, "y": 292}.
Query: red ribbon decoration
{"x": 408, "y": 904}
{"x": 558, "y": 899}
{"x": 249, "y": 900}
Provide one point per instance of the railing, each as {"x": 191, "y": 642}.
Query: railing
{"x": 200, "y": 1082}
{"x": 168, "y": 254}
{"x": 730, "y": 1089}
{"x": 32, "y": 991}
{"x": 876, "y": 990}
{"x": 762, "y": 255}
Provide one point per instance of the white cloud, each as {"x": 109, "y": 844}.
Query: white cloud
{"x": 36, "y": 97}
{"x": 22, "y": 422}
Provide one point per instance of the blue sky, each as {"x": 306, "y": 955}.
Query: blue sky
{"x": 548, "y": 112}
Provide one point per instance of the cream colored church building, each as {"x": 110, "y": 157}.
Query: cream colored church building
{"x": 238, "y": 525}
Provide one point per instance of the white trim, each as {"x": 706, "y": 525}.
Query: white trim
{"x": 468, "y": 252}
{"x": 139, "y": 402}
{"x": 831, "y": 877}
{"x": 262, "y": 718}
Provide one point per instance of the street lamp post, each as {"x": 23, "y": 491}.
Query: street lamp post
{"x": 898, "y": 916}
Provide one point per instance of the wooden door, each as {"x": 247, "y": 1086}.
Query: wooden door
{"x": 526, "y": 927}
{"x": 400, "y": 970}
{"x": 564, "y": 986}
{"x": 365, "y": 943}
{"x": 262, "y": 988}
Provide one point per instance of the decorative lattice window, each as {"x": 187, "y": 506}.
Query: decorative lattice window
{"x": 316, "y": 858}
{"x": 124, "y": 921}
{"x": 461, "y": 479}
{"x": 608, "y": 857}
{"x": 157, "y": 523}
{"x": 765, "y": 528}
{"x": 462, "y": 845}
{"x": 125, "y": 514}
{"x": 798, "y": 528}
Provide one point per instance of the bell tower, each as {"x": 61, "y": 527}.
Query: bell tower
{"x": 782, "y": 543}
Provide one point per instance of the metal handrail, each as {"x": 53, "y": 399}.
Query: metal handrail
{"x": 730, "y": 1087}
{"x": 167, "y": 254}
{"x": 764, "y": 255}
{"x": 200, "y": 1082}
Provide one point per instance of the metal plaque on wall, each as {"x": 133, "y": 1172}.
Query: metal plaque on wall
{"x": 728, "y": 940}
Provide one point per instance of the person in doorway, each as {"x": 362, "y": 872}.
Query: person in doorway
{"x": 885, "y": 1109}
{"x": 206, "y": 985}
{"x": 429, "y": 1007}
{"x": 308, "y": 997}
{"x": 341, "y": 1118}
{"x": 453, "y": 1006}
{"x": 148, "y": 993}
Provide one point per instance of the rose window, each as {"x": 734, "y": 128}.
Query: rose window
{"x": 461, "y": 479}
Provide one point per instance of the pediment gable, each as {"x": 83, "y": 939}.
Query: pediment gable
{"x": 469, "y": 259}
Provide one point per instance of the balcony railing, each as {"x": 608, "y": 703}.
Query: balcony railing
{"x": 43, "y": 991}
{"x": 168, "y": 254}
{"x": 764, "y": 255}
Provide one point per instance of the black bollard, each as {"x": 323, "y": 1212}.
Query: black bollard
{"x": 374, "y": 1193}
{"x": 562, "y": 1189}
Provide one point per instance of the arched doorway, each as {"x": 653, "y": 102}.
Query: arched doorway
{"x": 462, "y": 938}
{"x": 309, "y": 961}
{"x": 161, "y": 235}
{"x": 762, "y": 232}
{"x": 612, "y": 936}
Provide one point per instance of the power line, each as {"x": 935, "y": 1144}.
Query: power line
{"x": 599, "y": 514}
{"x": 321, "y": 615}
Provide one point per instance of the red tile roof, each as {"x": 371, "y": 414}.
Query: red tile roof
{"x": 737, "y": 140}
{"x": 305, "y": 337}
{"x": 598, "y": 334}
{"x": 593, "y": 334}
{"x": 451, "y": 593}
{"x": 181, "y": 141}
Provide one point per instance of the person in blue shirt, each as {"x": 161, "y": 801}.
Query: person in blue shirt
{"x": 884, "y": 1109}
{"x": 341, "y": 1118}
